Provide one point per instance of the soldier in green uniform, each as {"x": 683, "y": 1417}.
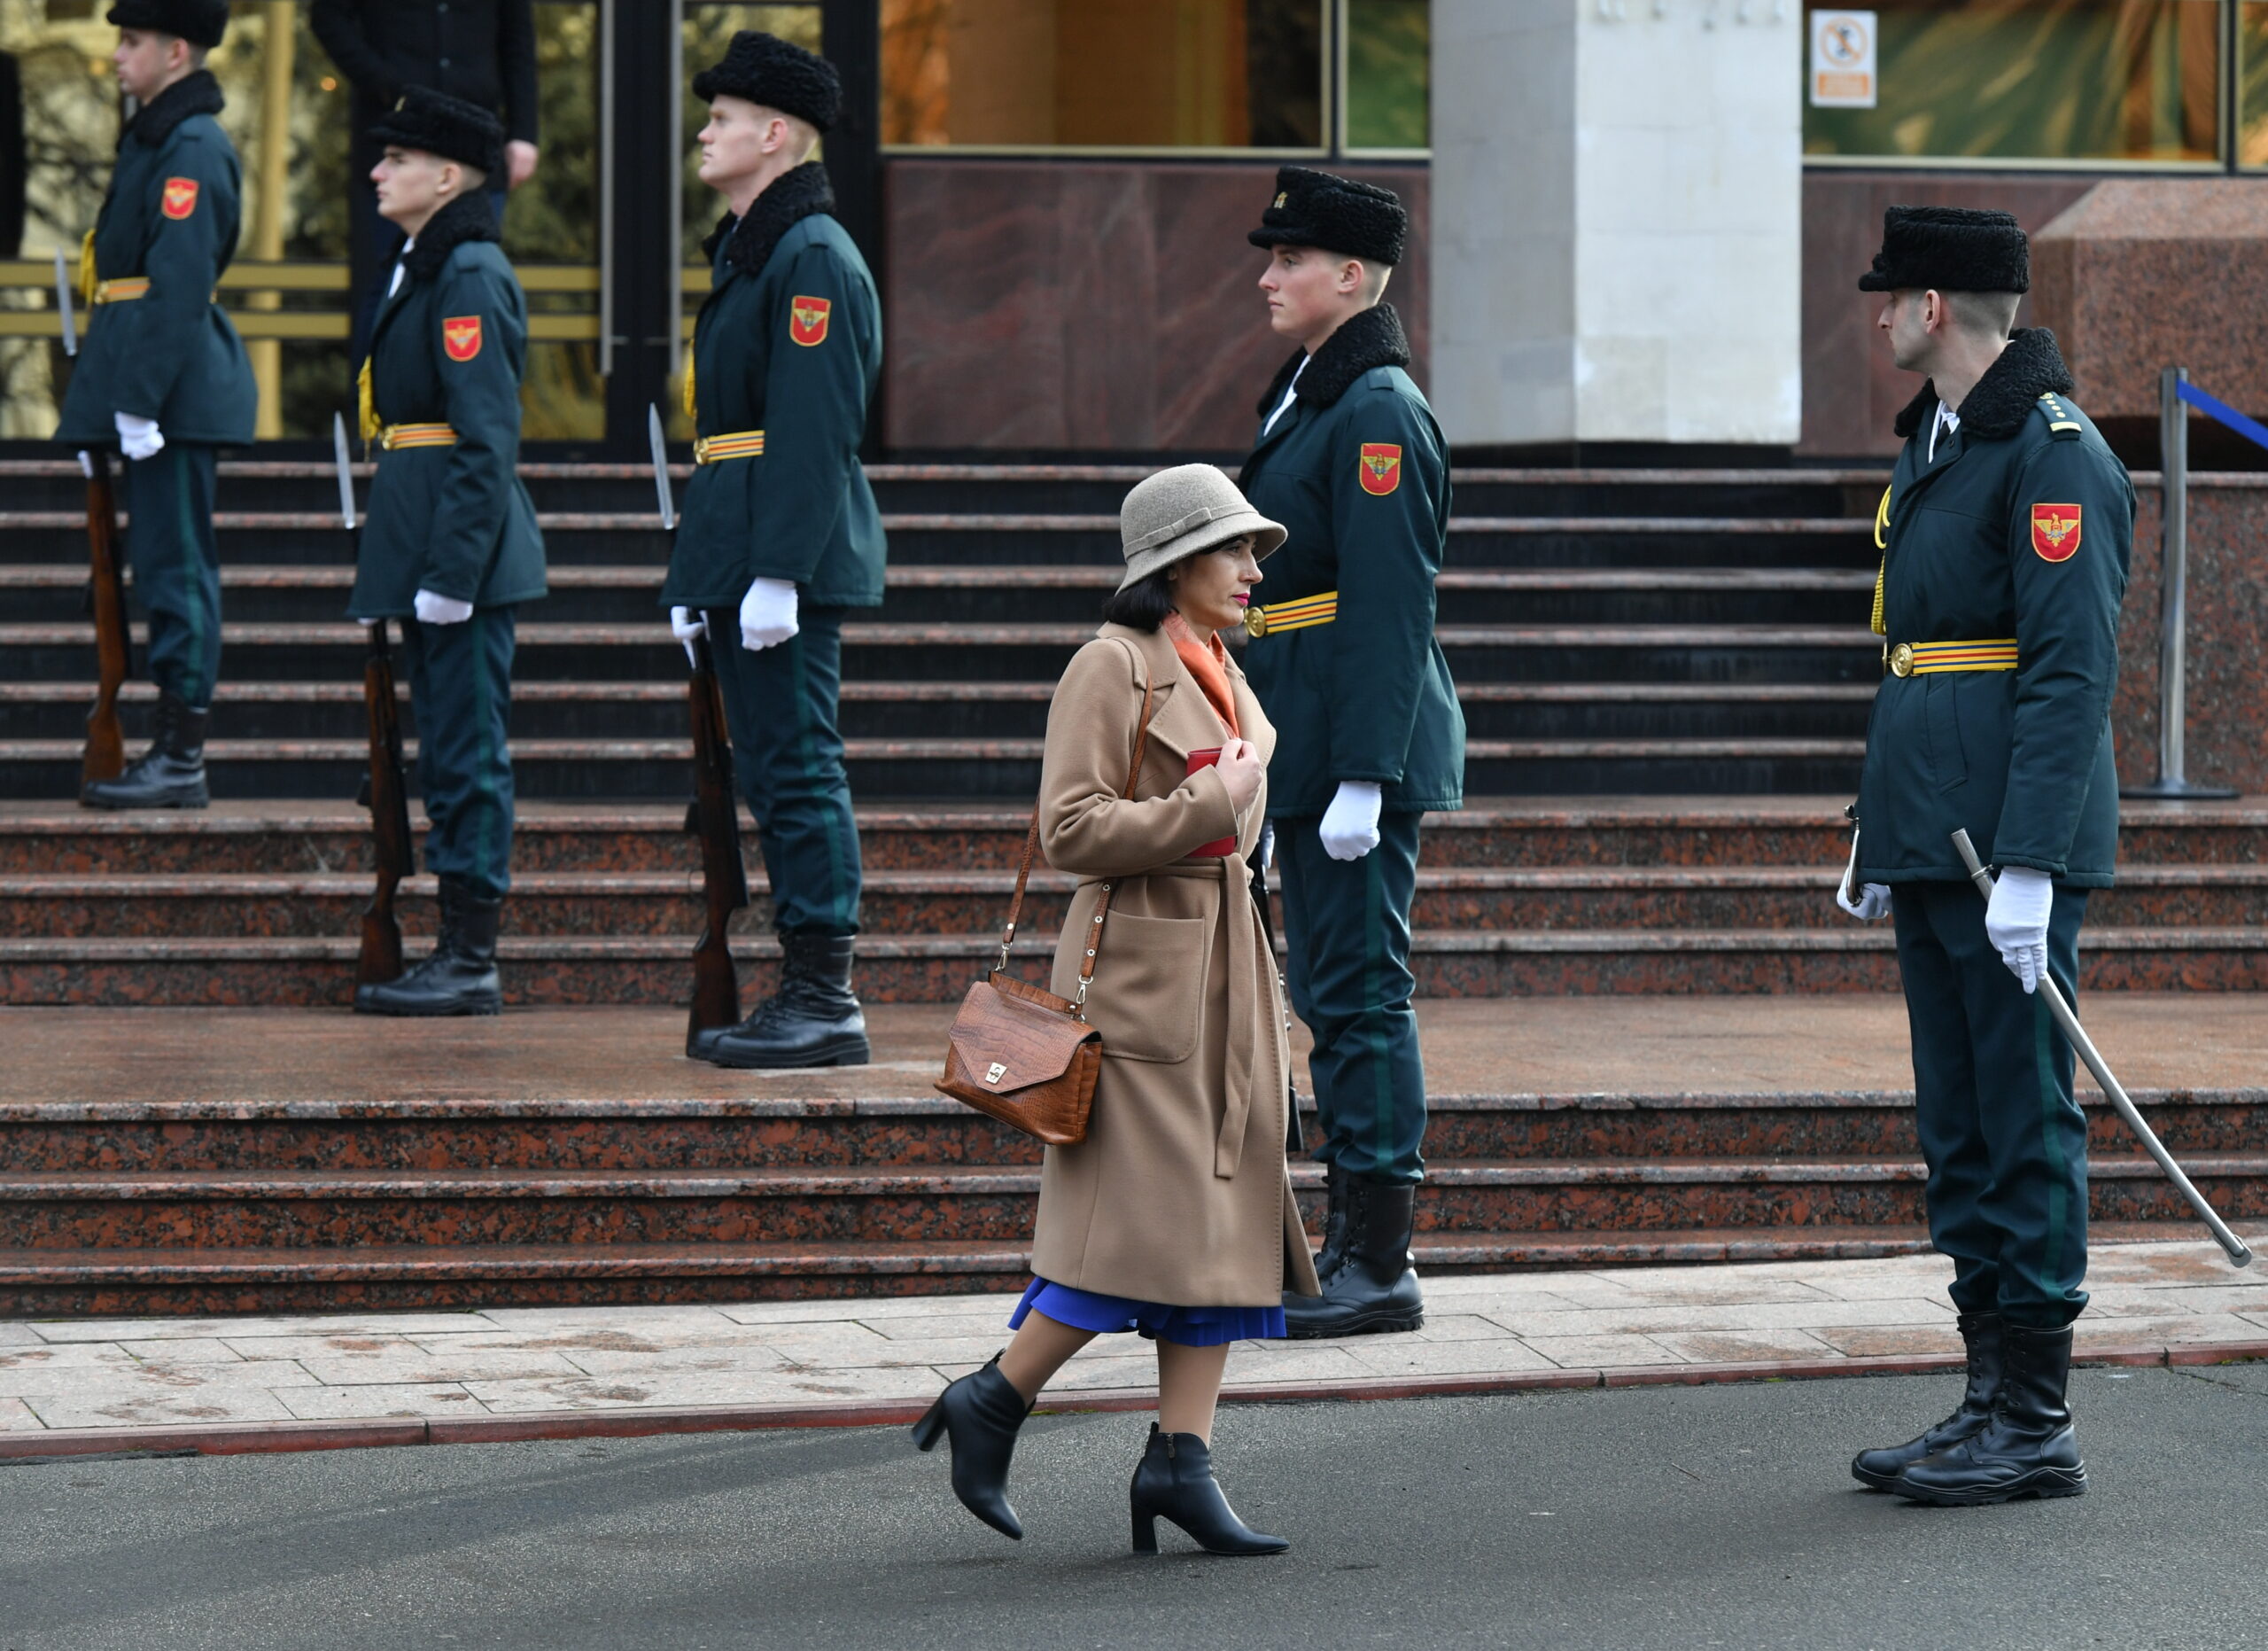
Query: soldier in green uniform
{"x": 162, "y": 376}
{"x": 2004, "y": 536}
{"x": 779, "y": 536}
{"x": 451, "y": 547}
{"x": 1369, "y": 734}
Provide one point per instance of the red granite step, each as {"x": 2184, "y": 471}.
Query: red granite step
{"x": 971, "y": 1203}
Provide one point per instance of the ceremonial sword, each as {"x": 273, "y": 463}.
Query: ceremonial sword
{"x": 2240, "y": 1253}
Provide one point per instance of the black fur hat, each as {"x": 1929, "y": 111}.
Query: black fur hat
{"x": 1314, "y": 208}
{"x": 444, "y": 126}
{"x": 1954, "y": 249}
{"x": 763, "y": 68}
{"x": 199, "y": 22}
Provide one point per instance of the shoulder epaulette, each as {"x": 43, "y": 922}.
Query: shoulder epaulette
{"x": 2061, "y": 423}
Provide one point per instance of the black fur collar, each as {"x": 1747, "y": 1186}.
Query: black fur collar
{"x": 791, "y": 197}
{"x": 2003, "y": 398}
{"x": 1372, "y": 337}
{"x": 467, "y": 218}
{"x": 193, "y": 94}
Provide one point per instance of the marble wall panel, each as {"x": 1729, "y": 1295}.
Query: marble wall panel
{"x": 1063, "y": 306}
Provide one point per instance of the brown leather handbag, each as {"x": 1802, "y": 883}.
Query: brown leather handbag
{"x": 1021, "y": 1054}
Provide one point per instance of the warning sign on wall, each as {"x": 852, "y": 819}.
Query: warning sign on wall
{"x": 1842, "y": 60}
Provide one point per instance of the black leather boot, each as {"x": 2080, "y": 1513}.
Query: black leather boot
{"x": 1980, "y": 1333}
{"x": 169, "y": 774}
{"x": 813, "y": 1019}
{"x": 2027, "y": 1449}
{"x": 1375, "y": 1289}
{"x": 460, "y": 978}
{"x": 1175, "y": 1481}
{"x": 982, "y": 1413}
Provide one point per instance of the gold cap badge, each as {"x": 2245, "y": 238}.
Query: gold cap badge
{"x": 1278, "y": 204}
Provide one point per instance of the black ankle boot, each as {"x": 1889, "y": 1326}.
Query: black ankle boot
{"x": 1375, "y": 1289}
{"x": 2027, "y": 1449}
{"x": 813, "y": 1019}
{"x": 982, "y": 1413}
{"x": 1981, "y": 1334}
{"x": 169, "y": 774}
{"x": 1175, "y": 1481}
{"x": 460, "y": 978}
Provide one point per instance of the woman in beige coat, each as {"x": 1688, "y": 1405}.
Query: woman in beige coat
{"x": 1174, "y": 1217}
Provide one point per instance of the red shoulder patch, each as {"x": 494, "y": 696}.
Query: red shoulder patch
{"x": 1381, "y": 467}
{"x": 807, "y": 319}
{"x": 2056, "y": 531}
{"x": 180, "y": 198}
{"x": 461, "y": 337}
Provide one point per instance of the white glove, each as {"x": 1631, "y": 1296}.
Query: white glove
{"x": 87, "y": 463}
{"x": 137, "y": 438}
{"x": 768, "y": 614}
{"x": 2016, "y": 921}
{"x": 1350, "y": 825}
{"x": 434, "y": 609}
{"x": 1874, "y": 898}
{"x": 1267, "y": 844}
{"x": 685, "y": 624}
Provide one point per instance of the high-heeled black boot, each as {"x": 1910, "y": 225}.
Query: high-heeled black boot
{"x": 1980, "y": 1333}
{"x": 1175, "y": 1481}
{"x": 982, "y": 1413}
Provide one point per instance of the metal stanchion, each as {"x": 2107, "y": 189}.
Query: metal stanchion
{"x": 2173, "y": 662}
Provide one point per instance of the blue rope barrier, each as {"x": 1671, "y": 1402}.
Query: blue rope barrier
{"x": 2251, "y": 429}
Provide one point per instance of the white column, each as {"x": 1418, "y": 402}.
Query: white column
{"x": 1616, "y": 221}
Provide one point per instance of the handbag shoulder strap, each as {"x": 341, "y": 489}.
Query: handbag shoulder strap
{"x": 1032, "y": 845}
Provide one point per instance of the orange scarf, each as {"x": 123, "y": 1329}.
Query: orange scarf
{"x": 1208, "y": 667}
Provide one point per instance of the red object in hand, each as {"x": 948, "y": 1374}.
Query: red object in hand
{"x": 1224, "y": 847}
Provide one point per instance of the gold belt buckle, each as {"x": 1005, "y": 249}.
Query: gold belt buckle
{"x": 1255, "y": 621}
{"x": 1901, "y": 659}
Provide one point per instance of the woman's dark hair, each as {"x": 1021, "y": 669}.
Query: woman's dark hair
{"x": 1143, "y": 605}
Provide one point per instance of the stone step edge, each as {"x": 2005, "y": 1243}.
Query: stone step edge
{"x": 110, "y": 1114}
{"x": 1008, "y": 522}
{"x": 953, "y": 947}
{"x": 246, "y": 1437}
{"x": 973, "y": 1180}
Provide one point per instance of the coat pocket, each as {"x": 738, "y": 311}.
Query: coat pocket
{"x": 1149, "y": 986}
{"x": 1941, "y": 724}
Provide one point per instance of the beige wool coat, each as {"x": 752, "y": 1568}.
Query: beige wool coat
{"x": 1180, "y": 1193}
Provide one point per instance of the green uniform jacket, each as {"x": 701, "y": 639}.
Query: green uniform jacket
{"x": 2020, "y": 527}
{"x": 448, "y": 349}
{"x": 172, "y": 216}
{"x": 1358, "y": 474}
{"x": 791, "y": 343}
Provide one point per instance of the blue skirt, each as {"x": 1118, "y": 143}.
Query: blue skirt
{"x": 1185, "y": 1326}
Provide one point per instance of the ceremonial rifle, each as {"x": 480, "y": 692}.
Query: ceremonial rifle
{"x": 714, "y": 813}
{"x": 105, "y": 756}
{"x": 385, "y": 789}
{"x": 2239, "y": 1252}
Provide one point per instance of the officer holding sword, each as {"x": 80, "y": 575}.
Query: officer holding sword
{"x": 2005, "y": 535}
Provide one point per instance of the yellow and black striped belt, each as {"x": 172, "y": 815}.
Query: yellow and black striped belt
{"x": 1929, "y": 658}
{"x": 1296, "y": 615}
{"x": 391, "y": 437}
{"x": 736, "y": 444}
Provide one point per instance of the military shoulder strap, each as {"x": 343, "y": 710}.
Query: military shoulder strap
{"x": 2062, "y": 421}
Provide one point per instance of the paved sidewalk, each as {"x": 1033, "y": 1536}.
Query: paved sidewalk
{"x": 551, "y": 1368}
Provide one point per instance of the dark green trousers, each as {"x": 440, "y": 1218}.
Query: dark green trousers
{"x": 461, "y": 694}
{"x": 2005, "y": 1141}
{"x": 1347, "y": 940}
{"x": 787, "y": 756}
{"x": 177, "y": 566}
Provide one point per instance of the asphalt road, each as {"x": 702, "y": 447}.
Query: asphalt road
{"x": 1635, "y": 1518}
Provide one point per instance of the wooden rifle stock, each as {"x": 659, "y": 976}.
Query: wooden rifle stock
{"x": 714, "y": 817}
{"x": 105, "y": 758}
{"x": 387, "y": 793}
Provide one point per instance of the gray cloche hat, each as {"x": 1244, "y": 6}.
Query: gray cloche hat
{"x": 1181, "y": 511}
